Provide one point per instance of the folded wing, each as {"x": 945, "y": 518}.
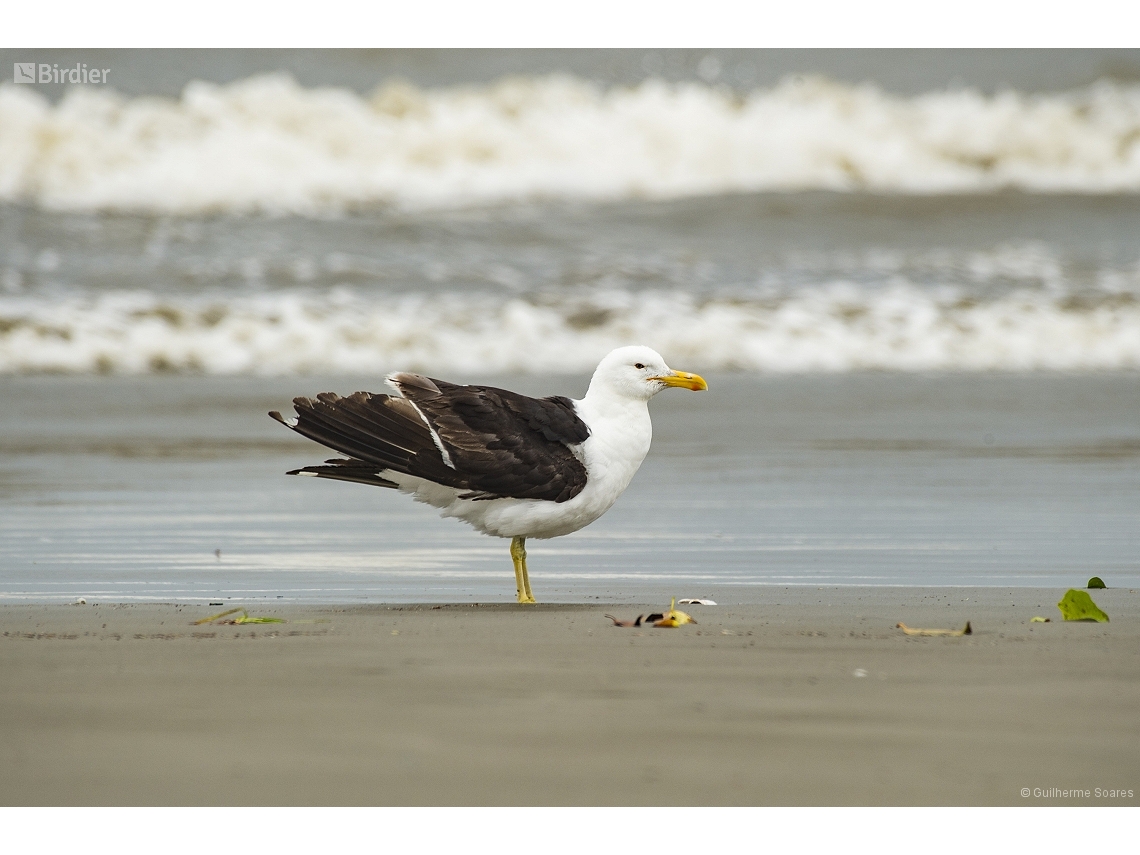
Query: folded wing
{"x": 491, "y": 443}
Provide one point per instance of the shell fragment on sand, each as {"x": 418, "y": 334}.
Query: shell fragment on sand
{"x": 689, "y": 601}
{"x": 948, "y": 633}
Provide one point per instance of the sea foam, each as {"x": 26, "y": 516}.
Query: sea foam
{"x": 833, "y": 327}
{"x": 268, "y": 144}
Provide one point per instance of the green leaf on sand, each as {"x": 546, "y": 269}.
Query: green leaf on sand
{"x": 1095, "y": 582}
{"x": 1077, "y": 605}
{"x": 245, "y": 618}
{"x": 213, "y": 618}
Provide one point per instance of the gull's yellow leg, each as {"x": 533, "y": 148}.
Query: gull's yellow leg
{"x": 522, "y": 581}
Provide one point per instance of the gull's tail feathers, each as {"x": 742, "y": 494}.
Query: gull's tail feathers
{"x": 339, "y": 469}
{"x": 378, "y": 433}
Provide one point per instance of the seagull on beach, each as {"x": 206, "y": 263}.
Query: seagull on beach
{"x": 507, "y": 464}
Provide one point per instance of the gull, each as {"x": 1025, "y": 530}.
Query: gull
{"x": 507, "y": 464}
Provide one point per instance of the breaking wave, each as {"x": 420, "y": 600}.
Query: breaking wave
{"x": 268, "y": 144}
{"x": 835, "y": 327}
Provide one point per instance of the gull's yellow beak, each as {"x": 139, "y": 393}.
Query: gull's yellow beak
{"x": 684, "y": 380}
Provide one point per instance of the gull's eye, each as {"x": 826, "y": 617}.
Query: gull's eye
{"x": 638, "y": 365}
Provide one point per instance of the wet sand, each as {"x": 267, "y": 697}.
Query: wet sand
{"x": 811, "y": 697}
{"x": 121, "y": 489}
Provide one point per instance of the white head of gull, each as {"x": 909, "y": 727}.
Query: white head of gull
{"x": 507, "y": 464}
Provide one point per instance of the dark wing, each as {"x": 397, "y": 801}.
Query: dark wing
{"x": 378, "y": 432}
{"x": 504, "y": 443}
{"x": 497, "y": 443}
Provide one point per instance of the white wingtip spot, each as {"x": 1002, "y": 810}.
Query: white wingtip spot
{"x": 292, "y": 421}
{"x": 310, "y": 474}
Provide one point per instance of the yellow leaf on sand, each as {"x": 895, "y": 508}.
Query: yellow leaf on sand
{"x": 674, "y": 617}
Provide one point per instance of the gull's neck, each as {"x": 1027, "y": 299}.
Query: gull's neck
{"x": 603, "y": 400}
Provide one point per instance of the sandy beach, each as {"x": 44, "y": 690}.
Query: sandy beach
{"x": 811, "y": 697}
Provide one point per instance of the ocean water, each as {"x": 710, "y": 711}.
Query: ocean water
{"x": 920, "y": 313}
{"x": 802, "y": 282}
{"x": 269, "y": 144}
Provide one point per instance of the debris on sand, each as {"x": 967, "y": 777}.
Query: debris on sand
{"x": 245, "y": 618}
{"x": 948, "y": 633}
{"x": 673, "y": 617}
{"x": 213, "y": 618}
{"x": 1096, "y": 582}
{"x": 1078, "y": 605}
{"x": 670, "y": 618}
{"x": 617, "y": 622}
